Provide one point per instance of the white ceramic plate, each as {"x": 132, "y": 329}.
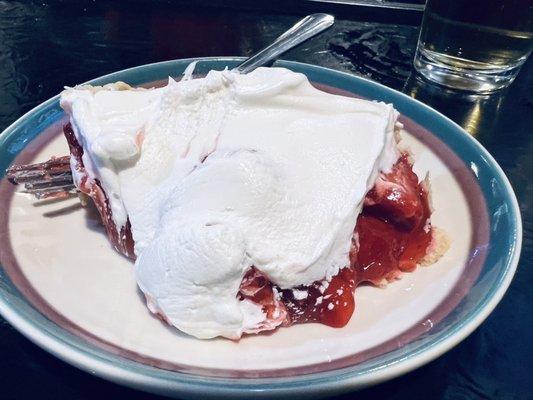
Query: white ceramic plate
{"x": 74, "y": 295}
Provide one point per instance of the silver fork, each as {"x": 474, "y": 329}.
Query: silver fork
{"x": 53, "y": 178}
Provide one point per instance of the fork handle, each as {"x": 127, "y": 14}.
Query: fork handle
{"x": 303, "y": 30}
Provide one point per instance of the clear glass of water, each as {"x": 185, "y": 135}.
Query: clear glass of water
{"x": 474, "y": 45}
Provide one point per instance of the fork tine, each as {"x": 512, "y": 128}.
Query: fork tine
{"x": 38, "y": 175}
{"x": 54, "y": 194}
{"x": 64, "y": 186}
{"x": 53, "y": 162}
{"x": 57, "y": 180}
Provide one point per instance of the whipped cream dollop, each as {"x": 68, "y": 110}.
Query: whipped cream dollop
{"x": 222, "y": 173}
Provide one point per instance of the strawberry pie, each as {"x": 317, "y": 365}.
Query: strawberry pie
{"x": 250, "y": 202}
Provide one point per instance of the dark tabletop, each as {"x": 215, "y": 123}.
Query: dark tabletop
{"x": 46, "y": 45}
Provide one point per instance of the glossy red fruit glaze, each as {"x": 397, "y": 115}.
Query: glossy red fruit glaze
{"x": 331, "y": 303}
{"x": 397, "y": 197}
{"x": 393, "y": 230}
{"x": 256, "y": 287}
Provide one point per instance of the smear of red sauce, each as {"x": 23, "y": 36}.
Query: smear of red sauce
{"x": 393, "y": 233}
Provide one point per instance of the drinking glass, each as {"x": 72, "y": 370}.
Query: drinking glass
{"x": 475, "y": 45}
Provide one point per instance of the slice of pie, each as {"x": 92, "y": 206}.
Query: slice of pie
{"x": 251, "y": 201}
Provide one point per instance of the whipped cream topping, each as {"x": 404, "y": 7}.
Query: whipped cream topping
{"x": 230, "y": 171}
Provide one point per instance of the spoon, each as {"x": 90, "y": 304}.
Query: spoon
{"x": 305, "y": 29}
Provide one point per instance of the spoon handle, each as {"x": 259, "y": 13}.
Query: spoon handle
{"x": 305, "y": 29}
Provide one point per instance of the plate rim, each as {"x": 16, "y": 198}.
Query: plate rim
{"x": 310, "y": 384}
